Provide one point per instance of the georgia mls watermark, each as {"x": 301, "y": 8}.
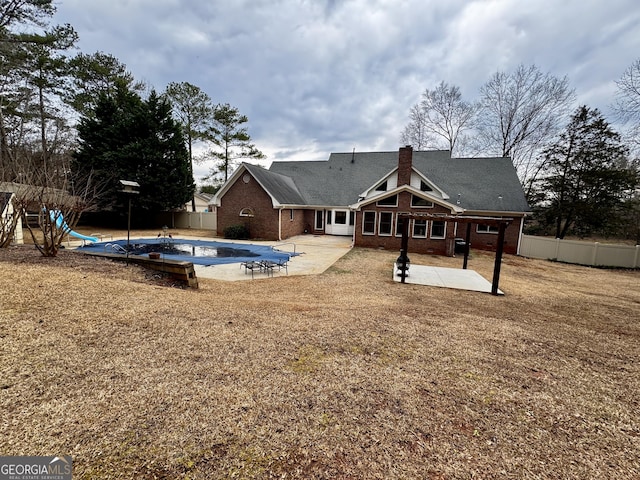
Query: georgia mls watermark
{"x": 35, "y": 468}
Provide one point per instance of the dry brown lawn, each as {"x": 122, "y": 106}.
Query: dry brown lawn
{"x": 344, "y": 375}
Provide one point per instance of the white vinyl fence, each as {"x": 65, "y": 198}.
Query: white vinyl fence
{"x": 582, "y": 253}
{"x": 199, "y": 220}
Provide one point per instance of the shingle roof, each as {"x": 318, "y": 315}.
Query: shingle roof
{"x": 281, "y": 187}
{"x": 489, "y": 184}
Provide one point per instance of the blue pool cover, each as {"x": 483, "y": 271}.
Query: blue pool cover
{"x": 200, "y": 252}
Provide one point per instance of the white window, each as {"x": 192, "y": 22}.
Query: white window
{"x": 340, "y": 217}
{"x": 487, "y": 228}
{"x": 420, "y": 202}
{"x": 420, "y": 229}
{"x": 424, "y": 187}
{"x": 369, "y": 223}
{"x": 438, "y": 229}
{"x": 382, "y": 187}
{"x": 246, "y": 212}
{"x": 291, "y": 214}
{"x": 385, "y": 226}
{"x": 391, "y": 201}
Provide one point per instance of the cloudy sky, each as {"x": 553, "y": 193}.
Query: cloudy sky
{"x": 322, "y": 76}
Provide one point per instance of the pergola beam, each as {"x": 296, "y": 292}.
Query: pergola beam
{"x": 501, "y": 223}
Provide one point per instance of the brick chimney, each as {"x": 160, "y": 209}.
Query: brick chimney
{"x": 405, "y": 159}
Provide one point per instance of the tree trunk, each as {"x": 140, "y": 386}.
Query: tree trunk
{"x": 43, "y": 133}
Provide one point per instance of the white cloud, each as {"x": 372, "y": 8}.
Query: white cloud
{"x": 315, "y": 77}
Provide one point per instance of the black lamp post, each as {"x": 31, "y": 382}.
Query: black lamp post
{"x": 403, "y": 262}
{"x": 129, "y": 188}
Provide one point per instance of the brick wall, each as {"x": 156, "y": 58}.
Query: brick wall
{"x": 264, "y": 223}
{"x": 297, "y": 225}
{"x": 489, "y": 241}
{"x": 481, "y": 241}
{"x": 416, "y": 245}
{"x": 405, "y": 161}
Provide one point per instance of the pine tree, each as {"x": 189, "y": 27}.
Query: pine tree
{"x": 95, "y": 74}
{"x": 194, "y": 110}
{"x": 231, "y": 138}
{"x": 586, "y": 175}
{"x": 127, "y": 138}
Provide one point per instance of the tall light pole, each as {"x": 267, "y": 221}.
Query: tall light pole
{"x": 129, "y": 188}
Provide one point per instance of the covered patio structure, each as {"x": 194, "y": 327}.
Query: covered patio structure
{"x": 451, "y": 277}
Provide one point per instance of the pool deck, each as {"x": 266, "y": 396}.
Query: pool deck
{"x": 316, "y": 254}
{"x": 319, "y": 252}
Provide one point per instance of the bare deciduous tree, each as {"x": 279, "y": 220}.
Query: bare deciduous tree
{"x": 521, "y": 113}
{"x": 54, "y": 194}
{"x": 627, "y": 103}
{"x": 440, "y": 119}
{"x": 9, "y": 218}
{"x": 414, "y": 132}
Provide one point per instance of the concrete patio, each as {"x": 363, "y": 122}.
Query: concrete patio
{"x": 316, "y": 253}
{"x": 446, "y": 277}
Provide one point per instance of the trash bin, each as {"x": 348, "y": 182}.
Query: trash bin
{"x": 460, "y": 246}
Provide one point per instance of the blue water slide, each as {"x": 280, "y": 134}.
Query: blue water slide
{"x": 56, "y": 216}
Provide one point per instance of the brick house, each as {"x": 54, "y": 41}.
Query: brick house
{"x": 362, "y": 194}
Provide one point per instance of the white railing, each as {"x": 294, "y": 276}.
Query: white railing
{"x": 593, "y": 254}
{"x": 114, "y": 247}
{"x": 277, "y": 247}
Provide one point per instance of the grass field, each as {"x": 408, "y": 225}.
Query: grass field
{"x": 344, "y": 375}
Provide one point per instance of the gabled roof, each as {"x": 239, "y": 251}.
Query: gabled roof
{"x": 455, "y": 209}
{"x": 280, "y": 188}
{"x": 474, "y": 184}
{"x": 203, "y": 196}
{"x": 489, "y": 184}
{"x": 339, "y": 180}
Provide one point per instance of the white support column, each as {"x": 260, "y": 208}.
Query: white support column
{"x": 594, "y": 258}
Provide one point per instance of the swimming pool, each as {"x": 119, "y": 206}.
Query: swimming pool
{"x": 200, "y": 252}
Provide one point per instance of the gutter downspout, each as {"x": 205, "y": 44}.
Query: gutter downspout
{"x": 353, "y": 235}
{"x": 520, "y": 235}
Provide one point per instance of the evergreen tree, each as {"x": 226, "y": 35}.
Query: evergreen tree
{"x": 194, "y": 110}
{"x": 25, "y": 12}
{"x": 127, "y": 138}
{"x": 46, "y": 72}
{"x": 95, "y": 74}
{"x": 231, "y": 138}
{"x": 586, "y": 176}
{"x": 32, "y": 74}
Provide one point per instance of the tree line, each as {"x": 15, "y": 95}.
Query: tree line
{"x": 72, "y": 126}
{"x": 580, "y": 176}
